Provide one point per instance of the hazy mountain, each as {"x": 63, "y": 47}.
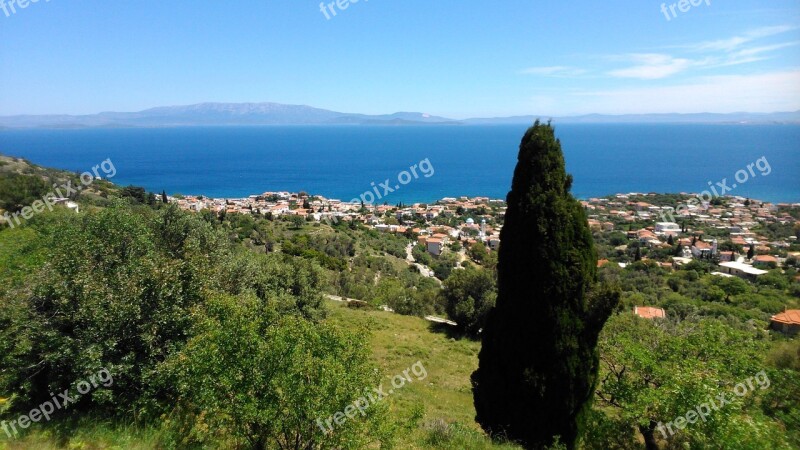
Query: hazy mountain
{"x": 215, "y": 114}
{"x": 739, "y": 117}
{"x": 279, "y": 114}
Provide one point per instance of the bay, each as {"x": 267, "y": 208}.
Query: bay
{"x": 344, "y": 161}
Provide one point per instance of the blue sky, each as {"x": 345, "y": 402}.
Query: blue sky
{"x": 455, "y": 58}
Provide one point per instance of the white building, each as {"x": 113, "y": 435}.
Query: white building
{"x": 741, "y": 270}
{"x": 667, "y": 228}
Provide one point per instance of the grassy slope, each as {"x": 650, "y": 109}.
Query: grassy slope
{"x": 400, "y": 341}
{"x": 397, "y": 343}
{"x": 98, "y": 188}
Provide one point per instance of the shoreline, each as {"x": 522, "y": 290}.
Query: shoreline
{"x": 795, "y": 202}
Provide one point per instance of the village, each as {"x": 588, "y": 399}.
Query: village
{"x": 730, "y": 233}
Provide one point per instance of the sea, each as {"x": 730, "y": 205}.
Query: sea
{"x": 424, "y": 163}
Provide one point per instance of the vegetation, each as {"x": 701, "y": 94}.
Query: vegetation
{"x": 546, "y": 269}
{"x": 152, "y": 297}
{"x": 469, "y": 296}
{"x": 215, "y": 328}
{"x": 644, "y": 365}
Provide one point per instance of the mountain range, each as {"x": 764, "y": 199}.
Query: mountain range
{"x": 244, "y": 114}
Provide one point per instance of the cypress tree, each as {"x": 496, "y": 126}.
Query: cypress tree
{"x": 538, "y": 362}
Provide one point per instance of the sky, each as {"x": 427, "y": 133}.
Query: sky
{"x": 452, "y": 58}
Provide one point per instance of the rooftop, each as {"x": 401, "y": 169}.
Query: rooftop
{"x": 790, "y": 316}
{"x": 649, "y": 312}
{"x": 746, "y": 268}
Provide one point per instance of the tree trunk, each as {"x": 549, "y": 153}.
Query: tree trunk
{"x": 648, "y": 433}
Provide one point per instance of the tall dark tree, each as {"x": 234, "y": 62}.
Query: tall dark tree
{"x": 751, "y": 252}
{"x": 538, "y": 362}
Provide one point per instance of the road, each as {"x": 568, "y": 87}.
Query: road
{"x": 434, "y": 319}
{"x": 424, "y": 270}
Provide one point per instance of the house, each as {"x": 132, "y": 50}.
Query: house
{"x": 666, "y": 228}
{"x": 649, "y": 312}
{"x": 66, "y": 202}
{"x": 741, "y": 270}
{"x": 702, "y": 249}
{"x": 786, "y": 322}
{"x": 765, "y": 261}
{"x": 435, "y": 246}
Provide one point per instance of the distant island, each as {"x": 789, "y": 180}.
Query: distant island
{"x": 254, "y": 114}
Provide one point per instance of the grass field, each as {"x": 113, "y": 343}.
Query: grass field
{"x": 445, "y": 394}
{"x": 397, "y": 342}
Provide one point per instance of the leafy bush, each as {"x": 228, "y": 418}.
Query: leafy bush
{"x": 115, "y": 290}
{"x": 268, "y": 382}
{"x": 18, "y": 191}
{"x": 469, "y": 295}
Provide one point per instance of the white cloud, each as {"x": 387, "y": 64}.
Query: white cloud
{"x": 733, "y": 43}
{"x": 768, "y": 92}
{"x": 651, "y": 66}
{"x": 720, "y": 53}
{"x": 763, "y": 49}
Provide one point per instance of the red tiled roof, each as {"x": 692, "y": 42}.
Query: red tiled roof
{"x": 649, "y": 312}
{"x": 790, "y": 316}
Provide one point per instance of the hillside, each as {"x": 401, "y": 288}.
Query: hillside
{"x": 396, "y": 343}
{"x": 47, "y": 180}
{"x": 267, "y": 113}
{"x": 198, "y": 305}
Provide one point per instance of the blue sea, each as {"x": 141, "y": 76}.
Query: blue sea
{"x": 344, "y": 161}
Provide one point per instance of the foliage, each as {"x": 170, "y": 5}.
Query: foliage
{"x": 329, "y": 250}
{"x": 656, "y": 371}
{"x": 265, "y": 381}
{"x": 116, "y": 292}
{"x": 138, "y": 195}
{"x": 421, "y": 255}
{"x": 546, "y": 270}
{"x": 444, "y": 264}
{"x": 18, "y": 191}
{"x": 469, "y": 296}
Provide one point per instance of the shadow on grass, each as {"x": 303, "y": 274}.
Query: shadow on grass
{"x": 451, "y": 332}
